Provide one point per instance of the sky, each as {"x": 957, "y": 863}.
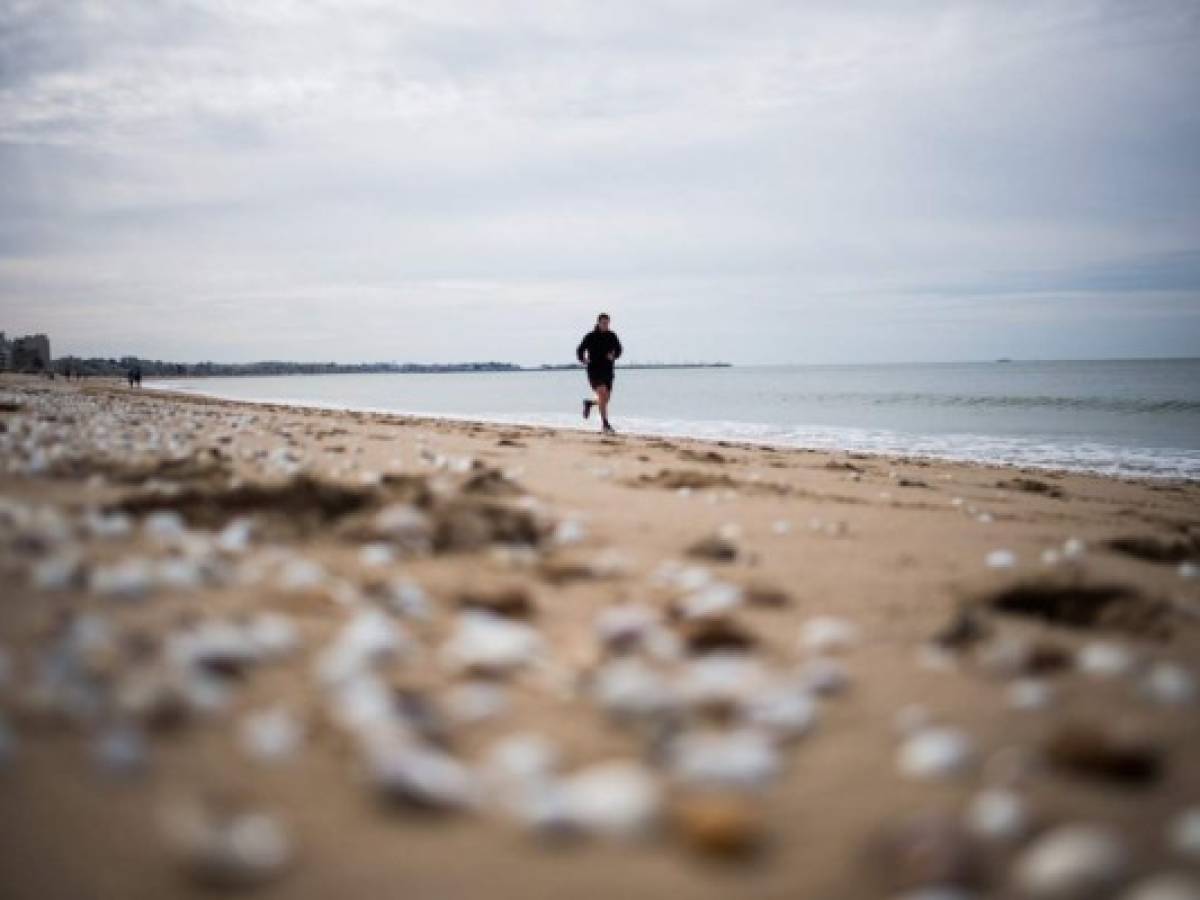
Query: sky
{"x": 748, "y": 181}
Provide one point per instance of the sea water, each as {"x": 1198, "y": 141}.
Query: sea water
{"x": 1124, "y": 417}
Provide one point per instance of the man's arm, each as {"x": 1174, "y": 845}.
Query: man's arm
{"x": 619, "y": 349}
{"x": 582, "y": 348}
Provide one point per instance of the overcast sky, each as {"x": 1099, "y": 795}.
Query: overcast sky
{"x": 749, "y": 181}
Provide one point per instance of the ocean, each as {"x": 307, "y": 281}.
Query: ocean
{"x": 1120, "y": 417}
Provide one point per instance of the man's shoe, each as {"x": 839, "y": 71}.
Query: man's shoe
{"x": 608, "y": 429}
{"x": 587, "y": 408}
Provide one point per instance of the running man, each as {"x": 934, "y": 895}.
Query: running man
{"x": 599, "y": 350}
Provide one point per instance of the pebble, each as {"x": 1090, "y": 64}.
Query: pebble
{"x": 743, "y": 758}
{"x": 129, "y": 579}
{"x": 108, "y": 526}
{"x": 227, "y": 849}
{"x": 618, "y": 799}
{"x": 418, "y": 776}
{"x": 715, "y": 599}
{"x": 625, "y": 626}
{"x": 828, "y": 634}
{"x": 570, "y": 531}
{"x": 521, "y": 759}
{"x": 1183, "y": 833}
{"x": 628, "y": 688}
{"x": 58, "y": 573}
{"x": 476, "y": 701}
{"x": 301, "y": 575}
{"x": 165, "y": 526}
{"x": 998, "y": 814}
{"x": 721, "y": 681}
{"x": 1071, "y": 862}
{"x": 271, "y": 735}
{"x": 235, "y": 537}
{"x": 376, "y": 556}
{"x": 121, "y": 751}
{"x": 490, "y": 644}
{"x": 1000, "y": 559}
{"x": 1167, "y": 886}
{"x": 1104, "y": 659}
{"x": 369, "y": 638}
{"x": 1030, "y": 694}
{"x": 786, "y": 712}
{"x": 407, "y": 598}
{"x": 273, "y": 635}
{"x": 824, "y": 676}
{"x": 1169, "y": 684}
{"x": 936, "y": 752}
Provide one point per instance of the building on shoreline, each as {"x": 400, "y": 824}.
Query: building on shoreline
{"x": 30, "y": 353}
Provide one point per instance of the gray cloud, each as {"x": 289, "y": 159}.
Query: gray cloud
{"x": 753, "y": 181}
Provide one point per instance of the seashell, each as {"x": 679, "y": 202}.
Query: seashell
{"x": 108, "y": 526}
{"x": 407, "y": 598}
{"x": 936, "y": 752}
{"x": 121, "y": 751}
{"x": 235, "y": 537}
{"x": 824, "y": 676}
{"x": 569, "y": 531}
{"x": 998, "y": 814}
{"x": 1169, "y": 684}
{"x": 420, "y": 777}
{"x": 716, "y": 598}
{"x": 489, "y": 644}
{"x": 370, "y": 637}
{"x": 1000, "y": 559}
{"x": 787, "y": 712}
{"x": 828, "y": 634}
{"x": 129, "y": 579}
{"x": 720, "y": 682}
{"x": 1183, "y": 833}
{"x": 1104, "y": 659}
{"x": 273, "y": 635}
{"x": 617, "y": 799}
{"x": 301, "y": 575}
{"x": 476, "y": 701}
{"x": 164, "y": 526}
{"x": 743, "y": 758}
{"x": 407, "y": 527}
{"x": 271, "y": 735}
{"x": 1071, "y": 862}
{"x": 226, "y": 848}
{"x": 1030, "y": 694}
{"x": 62, "y": 572}
{"x": 624, "y": 627}
{"x": 376, "y": 555}
{"x": 629, "y": 689}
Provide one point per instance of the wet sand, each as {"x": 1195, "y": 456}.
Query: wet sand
{"x": 818, "y": 665}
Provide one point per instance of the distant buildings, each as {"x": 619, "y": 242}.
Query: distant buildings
{"x": 30, "y": 353}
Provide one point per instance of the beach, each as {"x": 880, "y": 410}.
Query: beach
{"x": 439, "y": 658}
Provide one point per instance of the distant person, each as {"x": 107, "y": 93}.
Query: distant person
{"x": 137, "y": 376}
{"x": 599, "y": 351}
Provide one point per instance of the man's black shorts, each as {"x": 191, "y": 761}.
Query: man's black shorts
{"x": 600, "y": 378}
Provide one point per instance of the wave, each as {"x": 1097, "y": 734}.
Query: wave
{"x": 993, "y": 401}
{"x": 1025, "y": 452}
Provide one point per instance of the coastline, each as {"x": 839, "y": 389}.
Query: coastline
{"x": 831, "y": 445}
{"x": 892, "y": 547}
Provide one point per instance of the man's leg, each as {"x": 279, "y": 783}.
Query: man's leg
{"x": 602, "y": 393}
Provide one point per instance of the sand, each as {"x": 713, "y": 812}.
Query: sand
{"x": 1015, "y": 571}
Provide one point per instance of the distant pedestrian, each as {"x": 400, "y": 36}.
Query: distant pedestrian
{"x": 599, "y": 351}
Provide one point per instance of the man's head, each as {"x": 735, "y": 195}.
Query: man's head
{"x": 602, "y": 321}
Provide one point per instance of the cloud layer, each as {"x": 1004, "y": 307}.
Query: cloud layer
{"x": 755, "y": 181}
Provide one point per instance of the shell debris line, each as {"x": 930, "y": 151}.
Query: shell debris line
{"x": 286, "y": 649}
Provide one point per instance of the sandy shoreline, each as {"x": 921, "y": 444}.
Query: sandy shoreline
{"x": 750, "y": 693}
